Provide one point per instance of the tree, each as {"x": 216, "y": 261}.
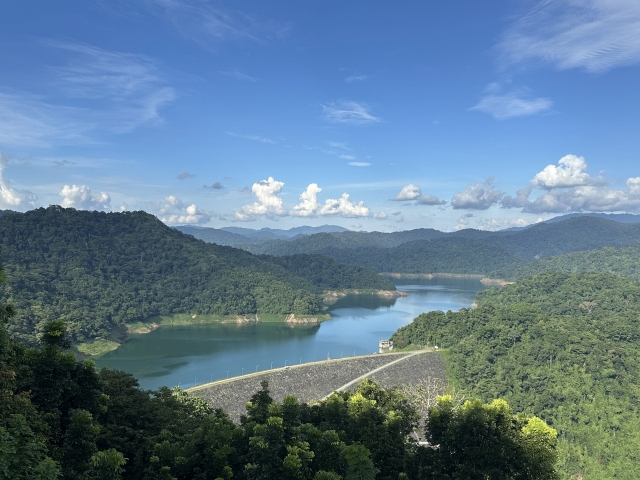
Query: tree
{"x": 480, "y": 441}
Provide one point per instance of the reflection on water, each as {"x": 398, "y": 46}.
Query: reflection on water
{"x": 199, "y": 353}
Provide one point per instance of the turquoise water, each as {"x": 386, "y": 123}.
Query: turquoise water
{"x": 186, "y": 355}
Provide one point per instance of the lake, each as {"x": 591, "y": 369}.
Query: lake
{"x": 186, "y": 355}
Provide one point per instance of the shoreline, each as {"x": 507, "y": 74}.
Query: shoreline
{"x": 470, "y": 276}
{"x": 99, "y": 346}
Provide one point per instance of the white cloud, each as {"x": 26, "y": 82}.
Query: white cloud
{"x": 267, "y": 203}
{"x": 570, "y": 188}
{"x": 517, "y": 103}
{"x": 595, "y": 35}
{"x": 344, "y": 207}
{"x": 359, "y": 164}
{"x": 170, "y": 204}
{"x": 308, "y": 205}
{"x": 588, "y": 198}
{"x": 408, "y": 192}
{"x": 480, "y": 196}
{"x": 192, "y": 214}
{"x": 348, "y": 112}
{"x": 81, "y": 198}
{"x": 171, "y": 212}
{"x": 493, "y": 224}
{"x": 10, "y": 198}
{"x": 347, "y": 157}
{"x": 255, "y": 138}
{"x": 571, "y": 172}
{"x": 380, "y": 216}
{"x": 412, "y": 192}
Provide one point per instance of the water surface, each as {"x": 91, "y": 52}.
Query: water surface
{"x": 185, "y": 355}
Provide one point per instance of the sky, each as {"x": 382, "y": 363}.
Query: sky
{"x": 369, "y": 115}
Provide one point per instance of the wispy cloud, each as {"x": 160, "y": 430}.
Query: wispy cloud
{"x": 348, "y": 112}
{"x": 28, "y": 120}
{"x": 127, "y": 88}
{"x": 516, "y": 103}
{"x": 238, "y": 75}
{"x": 347, "y": 157}
{"x": 356, "y": 78}
{"x": 94, "y": 92}
{"x": 359, "y": 164}
{"x": 255, "y": 138}
{"x": 340, "y": 145}
{"x": 206, "y": 23}
{"x": 595, "y": 35}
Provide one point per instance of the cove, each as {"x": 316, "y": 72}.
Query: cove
{"x": 186, "y": 355}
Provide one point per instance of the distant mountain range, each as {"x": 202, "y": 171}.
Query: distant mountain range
{"x": 466, "y": 251}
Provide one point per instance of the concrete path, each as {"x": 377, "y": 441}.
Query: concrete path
{"x": 375, "y": 370}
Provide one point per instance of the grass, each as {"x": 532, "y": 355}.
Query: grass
{"x": 97, "y": 347}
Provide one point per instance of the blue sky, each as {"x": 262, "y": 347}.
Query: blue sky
{"x": 373, "y": 116}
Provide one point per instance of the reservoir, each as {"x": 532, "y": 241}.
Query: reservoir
{"x": 186, "y": 355}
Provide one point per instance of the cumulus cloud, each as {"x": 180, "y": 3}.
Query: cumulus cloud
{"x": 427, "y": 199}
{"x": 267, "y": 200}
{"x": 412, "y": 192}
{"x": 10, "y": 198}
{"x": 308, "y": 205}
{"x": 517, "y": 103}
{"x": 185, "y": 175}
{"x": 480, "y": 196}
{"x": 397, "y": 216}
{"x": 81, "y": 198}
{"x": 214, "y": 186}
{"x": 173, "y": 211}
{"x": 344, "y": 207}
{"x": 570, "y": 188}
{"x": 570, "y": 172}
{"x": 588, "y": 198}
{"x": 348, "y": 112}
{"x": 595, "y": 35}
{"x": 408, "y": 192}
{"x": 192, "y": 214}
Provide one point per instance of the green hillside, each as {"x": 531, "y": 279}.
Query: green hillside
{"x": 565, "y": 347}
{"x": 621, "y": 261}
{"x": 465, "y": 251}
{"x": 98, "y": 271}
{"x": 441, "y": 255}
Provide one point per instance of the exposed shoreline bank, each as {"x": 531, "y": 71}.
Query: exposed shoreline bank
{"x": 100, "y": 346}
{"x": 470, "y": 276}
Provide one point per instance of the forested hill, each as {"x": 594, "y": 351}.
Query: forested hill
{"x": 98, "y": 270}
{"x": 564, "y": 347}
{"x": 621, "y": 261}
{"x": 465, "y": 251}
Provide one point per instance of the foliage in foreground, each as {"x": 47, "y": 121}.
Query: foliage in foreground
{"x": 61, "y": 419}
{"x": 564, "y": 347}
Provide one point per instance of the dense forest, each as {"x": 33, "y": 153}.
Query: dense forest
{"x": 62, "y": 419}
{"x": 621, "y": 261}
{"x": 465, "y": 251}
{"x": 97, "y": 271}
{"x": 562, "y": 346}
